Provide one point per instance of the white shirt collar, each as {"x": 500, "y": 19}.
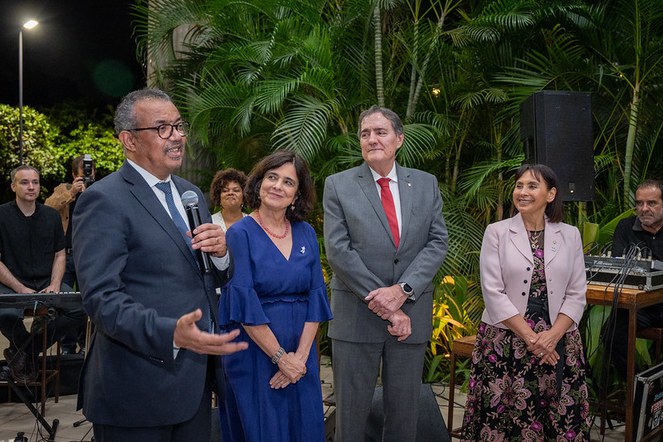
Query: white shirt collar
{"x": 391, "y": 175}
{"x": 151, "y": 179}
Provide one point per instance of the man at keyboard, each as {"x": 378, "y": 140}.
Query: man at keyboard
{"x": 32, "y": 259}
{"x": 644, "y": 232}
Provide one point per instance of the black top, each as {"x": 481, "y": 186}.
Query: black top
{"x": 68, "y": 233}
{"x": 28, "y": 243}
{"x": 629, "y": 232}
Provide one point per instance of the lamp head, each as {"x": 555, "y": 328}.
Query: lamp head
{"x": 30, "y": 24}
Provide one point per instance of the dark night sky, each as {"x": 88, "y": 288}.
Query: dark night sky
{"x": 82, "y": 50}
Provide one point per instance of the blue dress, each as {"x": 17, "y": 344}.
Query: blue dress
{"x": 267, "y": 288}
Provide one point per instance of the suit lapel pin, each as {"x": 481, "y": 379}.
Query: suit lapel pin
{"x": 302, "y": 250}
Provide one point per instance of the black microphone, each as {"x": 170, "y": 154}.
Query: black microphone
{"x": 190, "y": 203}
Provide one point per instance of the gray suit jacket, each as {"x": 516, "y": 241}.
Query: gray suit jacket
{"x": 137, "y": 277}
{"x": 363, "y": 256}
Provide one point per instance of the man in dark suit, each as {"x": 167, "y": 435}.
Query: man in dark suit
{"x": 385, "y": 238}
{"x": 148, "y": 375}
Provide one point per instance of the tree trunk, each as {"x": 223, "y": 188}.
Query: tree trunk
{"x": 379, "y": 78}
{"x": 630, "y": 146}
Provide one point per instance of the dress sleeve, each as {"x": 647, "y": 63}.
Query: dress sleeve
{"x": 318, "y": 299}
{"x": 239, "y": 301}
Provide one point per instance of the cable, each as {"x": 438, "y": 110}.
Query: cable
{"x": 608, "y": 328}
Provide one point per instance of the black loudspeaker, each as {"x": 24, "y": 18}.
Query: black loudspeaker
{"x": 556, "y": 128}
{"x": 430, "y": 427}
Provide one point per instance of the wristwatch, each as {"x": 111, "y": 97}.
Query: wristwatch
{"x": 406, "y": 289}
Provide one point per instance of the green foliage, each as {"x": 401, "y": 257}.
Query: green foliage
{"x": 97, "y": 140}
{"x": 255, "y": 76}
{"x": 454, "y": 297}
{"x": 39, "y": 148}
{"x": 84, "y": 133}
{"x": 52, "y": 141}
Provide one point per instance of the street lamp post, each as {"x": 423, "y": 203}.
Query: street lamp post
{"x": 27, "y": 25}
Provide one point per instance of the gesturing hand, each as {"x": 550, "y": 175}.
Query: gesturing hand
{"x": 189, "y": 336}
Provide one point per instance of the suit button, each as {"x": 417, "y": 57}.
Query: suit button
{"x": 396, "y": 261}
{"x": 528, "y": 269}
{"x": 525, "y": 282}
{"x": 523, "y": 293}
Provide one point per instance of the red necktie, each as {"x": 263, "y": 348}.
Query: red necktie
{"x": 389, "y": 208}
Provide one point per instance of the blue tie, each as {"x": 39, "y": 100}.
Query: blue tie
{"x": 174, "y": 213}
{"x": 182, "y": 227}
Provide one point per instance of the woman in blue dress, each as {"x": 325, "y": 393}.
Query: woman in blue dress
{"x": 277, "y": 297}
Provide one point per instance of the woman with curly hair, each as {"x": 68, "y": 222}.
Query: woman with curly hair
{"x": 227, "y": 192}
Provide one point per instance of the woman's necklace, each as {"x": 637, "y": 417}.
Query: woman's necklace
{"x": 269, "y": 232}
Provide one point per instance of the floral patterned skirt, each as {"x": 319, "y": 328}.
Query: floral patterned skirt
{"x": 513, "y": 398}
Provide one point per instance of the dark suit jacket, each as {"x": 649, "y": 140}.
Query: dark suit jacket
{"x": 362, "y": 253}
{"x": 137, "y": 277}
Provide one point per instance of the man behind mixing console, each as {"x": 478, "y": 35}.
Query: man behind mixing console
{"x": 642, "y": 231}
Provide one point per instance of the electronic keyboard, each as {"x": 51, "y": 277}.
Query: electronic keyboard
{"x": 48, "y": 300}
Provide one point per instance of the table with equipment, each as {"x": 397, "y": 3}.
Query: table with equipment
{"x": 632, "y": 300}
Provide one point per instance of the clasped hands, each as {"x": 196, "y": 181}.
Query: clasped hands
{"x": 543, "y": 345}
{"x": 210, "y": 238}
{"x": 292, "y": 367}
{"x": 386, "y": 302}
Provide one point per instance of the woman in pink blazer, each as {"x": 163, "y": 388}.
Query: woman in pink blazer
{"x": 527, "y": 381}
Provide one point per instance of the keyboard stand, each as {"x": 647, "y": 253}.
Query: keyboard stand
{"x": 46, "y": 376}
{"x": 50, "y": 429}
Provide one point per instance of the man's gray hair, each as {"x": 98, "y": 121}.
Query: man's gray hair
{"x": 389, "y": 114}
{"x": 125, "y": 114}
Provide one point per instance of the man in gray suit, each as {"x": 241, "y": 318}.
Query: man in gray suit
{"x": 385, "y": 239}
{"x": 148, "y": 375}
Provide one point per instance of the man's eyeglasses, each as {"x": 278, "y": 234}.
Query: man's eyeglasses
{"x": 165, "y": 130}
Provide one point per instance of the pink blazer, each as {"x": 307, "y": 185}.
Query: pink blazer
{"x": 506, "y": 271}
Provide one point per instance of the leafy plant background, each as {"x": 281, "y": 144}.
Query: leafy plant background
{"x": 256, "y": 76}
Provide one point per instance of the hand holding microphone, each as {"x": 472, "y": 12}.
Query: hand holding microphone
{"x": 190, "y": 203}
